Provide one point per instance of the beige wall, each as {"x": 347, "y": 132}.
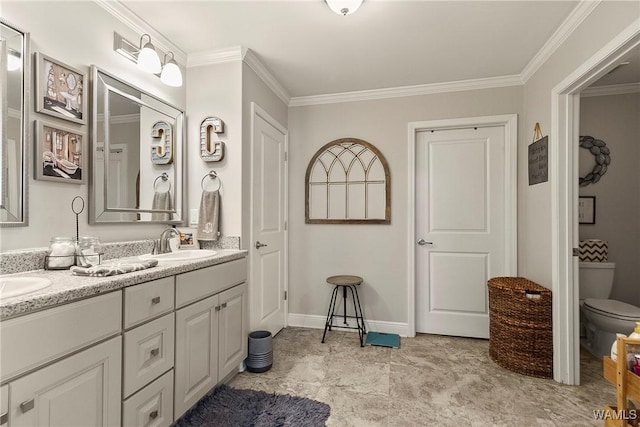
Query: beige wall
{"x": 378, "y": 253}
{"x": 215, "y": 90}
{"x": 534, "y": 202}
{"x": 255, "y": 90}
{"x": 85, "y": 42}
{"x": 616, "y": 121}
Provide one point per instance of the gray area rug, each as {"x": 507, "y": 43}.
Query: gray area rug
{"x": 230, "y": 407}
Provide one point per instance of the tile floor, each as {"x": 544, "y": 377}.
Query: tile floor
{"x": 429, "y": 381}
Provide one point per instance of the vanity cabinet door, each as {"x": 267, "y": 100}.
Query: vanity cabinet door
{"x": 233, "y": 329}
{"x": 196, "y": 359}
{"x": 4, "y": 406}
{"x": 81, "y": 390}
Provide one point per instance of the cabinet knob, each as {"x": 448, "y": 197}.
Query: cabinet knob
{"x": 224, "y": 305}
{"x": 155, "y": 300}
{"x": 155, "y": 352}
{"x": 27, "y": 406}
{"x": 153, "y": 414}
{"x": 217, "y": 308}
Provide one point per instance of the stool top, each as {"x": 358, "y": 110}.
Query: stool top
{"x": 344, "y": 280}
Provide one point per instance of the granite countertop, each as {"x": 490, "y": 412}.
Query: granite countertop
{"x": 66, "y": 287}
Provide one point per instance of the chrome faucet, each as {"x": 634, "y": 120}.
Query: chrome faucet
{"x": 163, "y": 243}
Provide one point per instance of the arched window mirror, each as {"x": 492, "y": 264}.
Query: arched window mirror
{"x": 348, "y": 182}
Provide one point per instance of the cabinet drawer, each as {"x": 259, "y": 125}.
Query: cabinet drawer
{"x": 199, "y": 284}
{"x": 152, "y": 406}
{"x": 148, "y": 300}
{"x": 148, "y": 352}
{"x": 32, "y": 340}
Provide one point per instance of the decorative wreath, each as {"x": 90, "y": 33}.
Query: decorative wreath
{"x": 599, "y": 149}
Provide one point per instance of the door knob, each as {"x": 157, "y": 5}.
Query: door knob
{"x": 423, "y": 242}
{"x": 260, "y": 245}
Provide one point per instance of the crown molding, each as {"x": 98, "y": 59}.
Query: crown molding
{"x": 620, "y": 89}
{"x": 562, "y": 33}
{"x": 137, "y": 24}
{"x": 396, "y": 92}
{"x": 272, "y": 83}
{"x": 210, "y": 57}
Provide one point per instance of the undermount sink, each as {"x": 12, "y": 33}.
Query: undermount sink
{"x": 15, "y": 286}
{"x": 186, "y": 255}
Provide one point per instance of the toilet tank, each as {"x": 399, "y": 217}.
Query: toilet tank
{"x": 596, "y": 279}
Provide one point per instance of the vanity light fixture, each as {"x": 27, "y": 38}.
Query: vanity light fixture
{"x": 148, "y": 59}
{"x": 171, "y": 74}
{"x": 344, "y": 7}
{"x": 14, "y": 60}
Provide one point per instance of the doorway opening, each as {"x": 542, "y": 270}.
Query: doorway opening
{"x": 565, "y": 113}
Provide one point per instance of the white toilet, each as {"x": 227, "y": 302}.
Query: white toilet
{"x": 601, "y": 318}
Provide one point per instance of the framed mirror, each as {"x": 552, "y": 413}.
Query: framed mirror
{"x": 15, "y": 80}
{"x": 136, "y": 155}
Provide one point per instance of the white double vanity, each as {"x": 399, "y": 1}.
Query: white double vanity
{"x": 138, "y": 349}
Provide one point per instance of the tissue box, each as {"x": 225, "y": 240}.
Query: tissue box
{"x": 593, "y": 250}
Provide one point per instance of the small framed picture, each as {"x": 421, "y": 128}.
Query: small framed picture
{"x": 60, "y": 153}
{"x": 587, "y": 210}
{"x": 60, "y": 90}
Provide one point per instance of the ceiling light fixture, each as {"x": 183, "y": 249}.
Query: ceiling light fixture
{"x": 344, "y": 7}
{"x": 171, "y": 74}
{"x": 148, "y": 59}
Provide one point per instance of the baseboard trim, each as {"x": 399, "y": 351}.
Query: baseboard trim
{"x": 317, "y": 322}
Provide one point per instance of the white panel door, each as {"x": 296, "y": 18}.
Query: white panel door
{"x": 196, "y": 359}
{"x": 81, "y": 390}
{"x": 268, "y": 225}
{"x": 460, "y": 228}
{"x": 233, "y": 330}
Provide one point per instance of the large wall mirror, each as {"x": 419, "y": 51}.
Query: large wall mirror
{"x": 14, "y": 112}
{"x": 137, "y": 155}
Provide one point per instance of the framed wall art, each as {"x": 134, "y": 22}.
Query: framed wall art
{"x": 60, "y": 153}
{"x": 60, "y": 90}
{"x": 586, "y": 210}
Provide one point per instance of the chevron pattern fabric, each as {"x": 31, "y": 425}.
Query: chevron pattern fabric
{"x": 593, "y": 250}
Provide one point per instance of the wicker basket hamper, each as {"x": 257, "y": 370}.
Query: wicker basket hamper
{"x": 520, "y": 329}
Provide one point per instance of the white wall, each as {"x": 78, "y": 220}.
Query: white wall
{"x": 378, "y": 253}
{"x": 78, "y": 34}
{"x": 534, "y": 202}
{"x": 215, "y": 90}
{"x": 616, "y": 121}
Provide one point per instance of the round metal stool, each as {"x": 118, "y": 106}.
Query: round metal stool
{"x": 345, "y": 282}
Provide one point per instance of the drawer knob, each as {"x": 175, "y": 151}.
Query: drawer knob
{"x": 155, "y": 300}
{"x": 155, "y": 352}
{"x": 27, "y": 406}
{"x": 153, "y": 414}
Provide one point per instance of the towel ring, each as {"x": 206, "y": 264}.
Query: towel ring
{"x": 164, "y": 178}
{"x": 213, "y": 176}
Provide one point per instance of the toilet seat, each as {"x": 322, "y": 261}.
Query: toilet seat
{"x": 612, "y": 308}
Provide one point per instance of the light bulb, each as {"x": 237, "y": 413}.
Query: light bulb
{"x": 171, "y": 74}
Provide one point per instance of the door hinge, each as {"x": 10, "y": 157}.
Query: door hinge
{"x": 285, "y": 295}
{"x": 576, "y": 252}
{"x": 286, "y": 157}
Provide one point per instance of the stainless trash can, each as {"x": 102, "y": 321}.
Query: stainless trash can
{"x": 260, "y": 358}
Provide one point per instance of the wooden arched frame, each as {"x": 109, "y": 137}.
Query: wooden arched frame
{"x": 362, "y": 158}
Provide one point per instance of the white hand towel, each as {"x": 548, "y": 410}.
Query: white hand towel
{"x": 162, "y": 201}
{"x": 209, "y": 216}
{"x": 113, "y": 269}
